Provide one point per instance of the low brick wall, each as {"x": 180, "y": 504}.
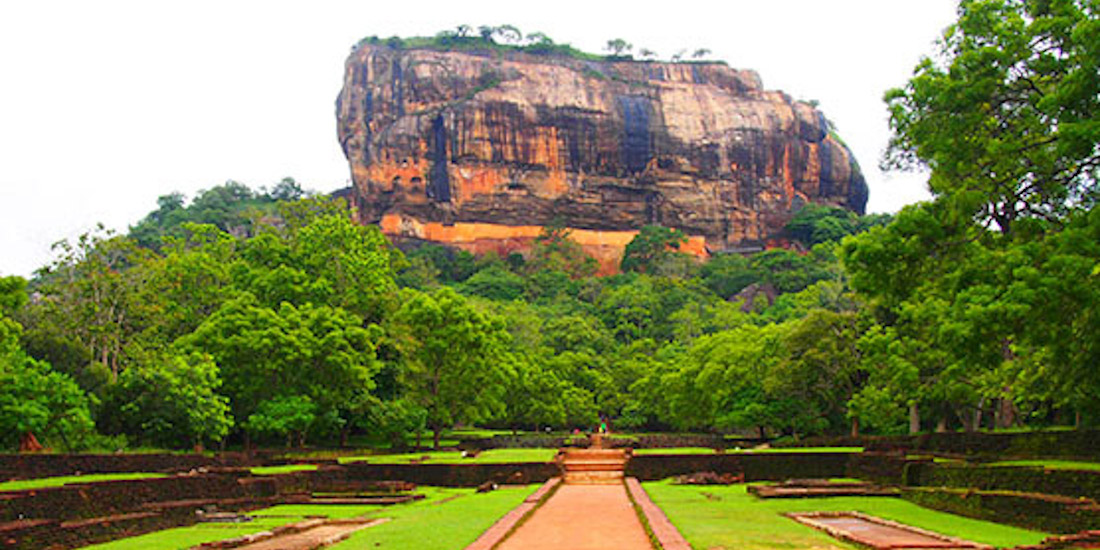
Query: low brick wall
{"x": 32, "y": 466}
{"x": 455, "y": 475}
{"x": 1070, "y": 483}
{"x": 1031, "y": 511}
{"x": 881, "y": 468}
{"x": 1084, "y": 444}
{"x": 755, "y": 467}
{"x": 73, "y": 502}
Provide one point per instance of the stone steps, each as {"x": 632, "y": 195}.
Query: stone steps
{"x": 593, "y": 466}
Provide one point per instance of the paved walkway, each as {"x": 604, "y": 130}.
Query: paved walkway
{"x": 311, "y": 539}
{"x": 582, "y": 517}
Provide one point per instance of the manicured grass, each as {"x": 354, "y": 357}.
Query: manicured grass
{"x": 186, "y": 537}
{"x": 676, "y": 451}
{"x": 709, "y": 451}
{"x": 284, "y": 469}
{"x": 799, "y": 450}
{"x": 728, "y": 517}
{"x": 459, "y": 505}
{"x": 440, "y": 524}
{"x": 1051, "y": 464}
{"x": 492, "y": 456}
{"x": 44, "y": 482}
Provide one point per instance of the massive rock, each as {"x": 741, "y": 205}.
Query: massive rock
{"x": 479, "y": 150}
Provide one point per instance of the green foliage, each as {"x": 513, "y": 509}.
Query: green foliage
{"x": 231, "y": 207}
{"x": 167, "y": 402}
{"x": 650, "y": 247}
{"x": 454, "y": 357}
{"x": 1006, "y": 115}
{"x": 495, "y": 283}
{"x": 34, "y": 399}
{"x": 819, "y": 223}
{"x": 316, "y": 352}
{"x": 283, "y": 416}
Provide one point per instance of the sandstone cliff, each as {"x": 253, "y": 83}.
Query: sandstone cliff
{"x": 480, "y": 150}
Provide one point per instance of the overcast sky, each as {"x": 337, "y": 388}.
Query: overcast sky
{"x": 107, "y": 105}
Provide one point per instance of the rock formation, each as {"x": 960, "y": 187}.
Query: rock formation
{"x": 480, "y": 150}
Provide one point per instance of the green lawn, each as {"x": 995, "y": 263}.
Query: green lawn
{"x": 42, "y": 483}
{"x": 446, "y": 518}
{"x": 799, "y": 450}
{"x": 493, "y": 456}
{"x": 440, "y": 524}
{"x": 728, "y": 517}
{"x": 284, "y": 469}
{"x": 676, "y": 451}
{"x": 1051, "y": 464}
{"x": 709, "y": 451}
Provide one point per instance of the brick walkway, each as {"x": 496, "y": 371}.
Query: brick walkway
{"x": 582, "y": 517}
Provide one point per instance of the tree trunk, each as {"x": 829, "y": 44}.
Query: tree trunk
{"x": 914, "y": 418}
{"x": 763, "y": 432}
{"x": 855, "y": 426}
{"x": 941, "y": 425}
{"x": 345, "y": 433}
{"x": 1077, "y": 420}
{"x": 1007, "y": 415}
{"x": 419, "y": 433}
{"x": 28, "y": 443}
{"x": 978, "y": 414}
{"x": 436, "y": 433}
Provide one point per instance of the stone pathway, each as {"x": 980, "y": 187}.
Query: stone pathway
{"x": 878, "y": 533}
{"x": 582, "y": 517}
{"x": 311, "y": 539}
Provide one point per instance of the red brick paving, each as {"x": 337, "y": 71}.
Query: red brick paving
{"x": 582, "y": 517}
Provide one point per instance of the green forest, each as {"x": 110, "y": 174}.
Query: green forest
{"x": 270, "y": 317}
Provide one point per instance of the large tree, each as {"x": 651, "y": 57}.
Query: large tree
{"x": 1007, "y": 115}
{"x": 454, "y": 357}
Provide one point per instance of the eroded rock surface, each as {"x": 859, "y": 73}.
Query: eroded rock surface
{"x": 480, "y": 150}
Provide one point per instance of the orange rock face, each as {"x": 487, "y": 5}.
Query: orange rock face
{"x": 481, "y": 150}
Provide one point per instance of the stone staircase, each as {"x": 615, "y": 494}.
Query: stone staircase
{"x": 593, "y": 466}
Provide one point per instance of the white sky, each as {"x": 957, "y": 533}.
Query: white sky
{"x": 106, "y": 105}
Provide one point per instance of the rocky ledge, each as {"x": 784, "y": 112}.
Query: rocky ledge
{"x": 480, "y": 150}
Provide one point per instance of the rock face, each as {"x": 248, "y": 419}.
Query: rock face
{"x": 480, "y": 150}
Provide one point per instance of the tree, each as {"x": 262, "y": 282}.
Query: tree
{"x": 34, "y": 399}
{"x": 495, "y": 283}
{"x": 288, "y": 416}
{"x": 650, "y": 246}
{"x": 508, "y": 33}
{"x": 555, "y": 250}
{"x": 316, "y": 352}
{"x": 618, "y": 47}
{"x": 700, "y": 53}
{"x": 454, "y": 358}
{"x": 91, "y": 294}
{"x": 170, "y": 402}
{"x": 287, "y": 190}
{"x": 1007, "y": 116}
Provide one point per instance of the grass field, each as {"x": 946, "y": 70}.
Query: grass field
{"x": 1052, "y": 464}
{"x": 284, "y": 469}
{"x": 443, "y": 524}
{"x": 493, "y": 456}
{"x": 728, "y": 517}
{"x": 676, "y": 451}
{"x": 44, "y": 482}
{"x": 446, "y": 518}
{"x": 799, "y": 450}
{"x": 709, "y": 451}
